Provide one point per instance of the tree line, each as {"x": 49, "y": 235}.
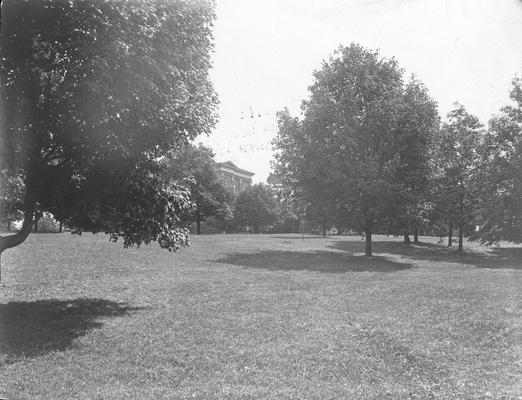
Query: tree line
{"x": 254, "y": 209}
{"x": 371, "y": 153}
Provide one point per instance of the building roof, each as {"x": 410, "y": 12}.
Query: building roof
{"x": 234, "y": 167}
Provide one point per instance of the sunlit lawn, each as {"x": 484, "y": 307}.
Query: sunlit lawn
{"x": 259, "y": 316}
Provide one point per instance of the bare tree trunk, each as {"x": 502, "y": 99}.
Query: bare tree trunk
{"x": 368, "y": 246}
{"x": 450, "y": 233}
{"x": 416, "y": 235}
{"x": 8, "y": 225}
{"x": 324, "y": 227}
{"x": 61, "y": 227}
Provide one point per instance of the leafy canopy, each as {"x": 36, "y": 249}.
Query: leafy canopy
{"x": 93, "y": 93}
{"x": 195, "y": 167}
{"x": 352, "y": 152}
{"x": 501, "y": 200}
{"x": 255, "y": 207}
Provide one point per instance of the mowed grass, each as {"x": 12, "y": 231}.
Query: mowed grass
{"x": 259, "y": 317}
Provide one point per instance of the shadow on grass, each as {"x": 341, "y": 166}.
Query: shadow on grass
{"x": 31, "y": 329}
{"x": 491, "y": 257}
{"x": 317, "y": 261}
{"x": 298, "y": 236}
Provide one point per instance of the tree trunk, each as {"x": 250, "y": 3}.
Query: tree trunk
{"x": 416, "y": 235}
{"x": 61, "y": 227}
{"x": 461, "y": 213}
{"x": 450, "y": 233}
{"x": 368, "y": 247}
{"x": 35, "y": 223}
{"x": 198, "y": 224}
{"x": 406, "y": 238}
{"x": 8, "y": 225}
{"x": 6, "y": 242}
{"x": 324, "y": 227}
{"x": 460, "y": 236}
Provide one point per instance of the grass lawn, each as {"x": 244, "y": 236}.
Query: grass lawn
{"x": 259, "y": 316}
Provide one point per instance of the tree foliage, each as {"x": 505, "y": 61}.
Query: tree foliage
{"x": 256, "y": 207}
{"x": 370, "y": 153}
{"x": 301, "y": 169}
{"x": 360, "y": 150}
{"x": 500, "y": 204}
{"x": 11, "y": 197}
{"x": 461, "y": 164}
{"x": 195, "y": 167}
{"x": 417, "y": 136}
{"x": 93, "y": 93}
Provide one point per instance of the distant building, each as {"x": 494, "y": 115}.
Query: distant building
{"x": 234, "y": 177}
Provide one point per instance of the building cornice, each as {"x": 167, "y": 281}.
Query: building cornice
{"x": 229, "y": 166}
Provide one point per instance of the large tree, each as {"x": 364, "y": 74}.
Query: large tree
{"x": 301, "y": 170}
{"x": 417, "y": 135}
{"x": 93, "y": 93}
{"x": 195, "y": 167}
{"x": 500, "y": 203}
{"x": 461, "y": 162}
{"x": 357, "y": 130}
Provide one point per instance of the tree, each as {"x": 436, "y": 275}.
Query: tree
{"x": 196, "y": 167}
{"x": 255, "y": 207}
{"x": 301, "y": 169}
{"x": 461, "y": 162}
{"x": 352, "y": 119}
{"x": 500, "y": 203}
{"x": 417, "y": 130}
{"x": 93, "y": 94}
{"x": 288, "y": 216}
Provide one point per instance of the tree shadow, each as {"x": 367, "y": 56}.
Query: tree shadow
{"x": 298, "y": 236}
{"x": 317, "y": 261}
{"x": 486, "y": 257}
{"x": 32, "y": 329}
{"x": 500, "y": 257}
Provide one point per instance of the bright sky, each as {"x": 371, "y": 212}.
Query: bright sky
{"x": 265, "y": 52}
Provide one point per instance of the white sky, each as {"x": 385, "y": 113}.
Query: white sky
{"x": 266, "y": 51}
